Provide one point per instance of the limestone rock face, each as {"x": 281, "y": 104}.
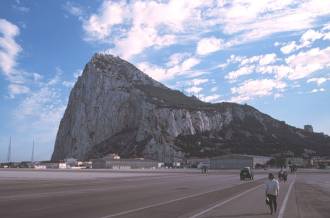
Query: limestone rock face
{"x": 116, "y": 108}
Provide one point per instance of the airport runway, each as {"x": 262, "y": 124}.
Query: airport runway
{"x": 156, "y": 194}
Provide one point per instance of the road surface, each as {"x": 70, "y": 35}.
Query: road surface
{"x": 157, "y": 194}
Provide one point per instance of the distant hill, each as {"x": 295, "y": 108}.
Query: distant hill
{"x": 116, "y": 108}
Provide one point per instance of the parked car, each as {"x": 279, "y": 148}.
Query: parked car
{"x": 246, "y": 173}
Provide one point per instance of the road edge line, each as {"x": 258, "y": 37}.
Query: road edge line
{"x": 226, "y": 201}
{"x": 285, "y": 202}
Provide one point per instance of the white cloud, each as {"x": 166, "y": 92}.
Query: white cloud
{"x": 162, "y": 74}
{"x": 194, "y": 90}
{"x": 147, "y": 37}
{"x": 256, "y": 88}
{"x": 212, "y": 98}
{"x": 156, "y": 72}
{"x": 248, "y": 65}
{"x": 16, "y": 89}
{"x": 74, "y": 9}
{"x": 158, "y": 24}
{"x": 240, "y": 99}
{"x": 267, "y": 59}
{"x": 296, "y": 66}
{"x": 309, "y": 37}
{"x": 197, "y": 82}
{"x": 20, "y": 7}
{"x": 290, "y": 47}
{"x": 208, "y": 45}
{"x": 233, "y": 75}
{"x": 9, "y": 49}
{"x": 317, "y": 90}
{"x": 98, "y": 26}
{"x": 306, "y": 40}
{"x": 68, "y": 84}
{"x": 254, "y": 20}
{"x": 305, "y": 63}
{"x": 177, "y": 58}
{"x": 326, "y": 36}
{"x": 276, "y": 44}
{"x": 278, "y": 95}
{"x": 264, "y": 59}
{"x": 39, "y": 113}
{"x": 222, "y": 66}
{"x": 319, "y": 81}
{"x": 279, "y": 71}
{"x": 214, "y": 89}
{"x": 189, "y": 63}
{"x": 145, "y": 24}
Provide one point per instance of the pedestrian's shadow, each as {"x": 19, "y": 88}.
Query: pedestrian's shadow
{"x": 240, "y": 215}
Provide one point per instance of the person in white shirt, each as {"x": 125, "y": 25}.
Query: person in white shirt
{"x": 272, "y": 191}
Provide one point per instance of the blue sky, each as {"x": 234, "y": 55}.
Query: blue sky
{"x": 273, "y": 55}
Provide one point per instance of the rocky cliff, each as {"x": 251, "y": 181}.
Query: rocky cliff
{"x": 116, "y": 108}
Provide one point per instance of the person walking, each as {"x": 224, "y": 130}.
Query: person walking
{"x": 204, "y": 170}
{"x": 272, "y": 191}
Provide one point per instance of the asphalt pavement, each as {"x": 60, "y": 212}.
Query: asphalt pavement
{"x": 157, "y": 194}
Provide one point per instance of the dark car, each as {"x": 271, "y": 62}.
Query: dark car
{"x": 246, "y": 173}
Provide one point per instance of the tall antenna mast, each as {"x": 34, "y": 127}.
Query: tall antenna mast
{"x": 32, "y": 155}
{"x": 9, "y": 151}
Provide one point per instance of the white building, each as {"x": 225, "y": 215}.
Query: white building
{"x": 237, "y": 161}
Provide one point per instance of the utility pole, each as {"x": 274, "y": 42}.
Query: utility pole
{"x": 32, "y": 155}
{"x": 9, "y": 151}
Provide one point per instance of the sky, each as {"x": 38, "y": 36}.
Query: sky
{"x": 273, "y": 55}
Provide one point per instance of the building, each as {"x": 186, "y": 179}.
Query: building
{"x": 110, "y": 163}
{"x": 320, "y": 162}
{"x": 236, "y": 161}
{"x": 62, "y": 166}
{"x": 194, "y": 161}
{"x": 50, "y": 165}
{"x": 71, "y": 162}
{"x": 297, "y": 161}
{"x": 259, "y": 160}
{"x": 232, "y": 161}
{"x": 308, "y": 128}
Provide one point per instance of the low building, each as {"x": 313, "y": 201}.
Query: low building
{"x": 47, "y": 164}
{"x": 110, "y": 163}
{"x": 62, "y": 166}
{"x": 237, "y": 161}
{"x": 297, "y": 161}
{"x": 51, "y": 165}
{"x": 320, "y": 162}
{"x": 259, "y": 160}
{"x": 71, "y": 162}
{"x": 232, "y": 161}
{"x": 194, "y": 161}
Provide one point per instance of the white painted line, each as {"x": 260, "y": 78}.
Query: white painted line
{"x": 166, "y": 202}
{"x": 285, "y": 202}
{"x": 225, "y": 202}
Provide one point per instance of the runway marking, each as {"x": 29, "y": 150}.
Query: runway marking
{"x": 167, "y": 202}
{"x": 285, "y": 202}
{"x": 226, "y": 201}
